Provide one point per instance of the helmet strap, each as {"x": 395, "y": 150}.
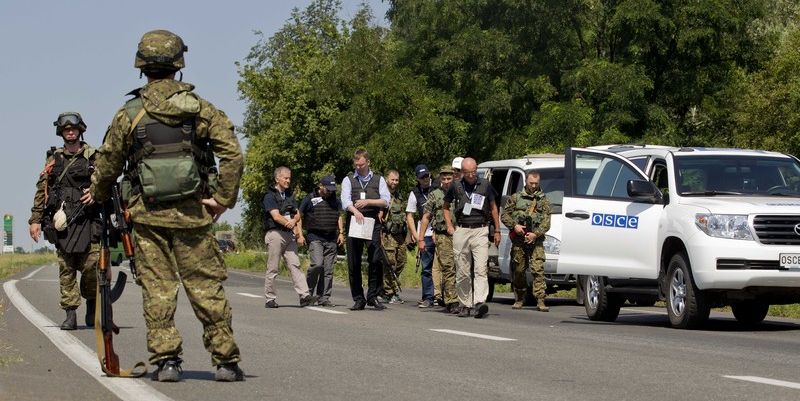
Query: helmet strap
{"x": 140, "y": 74}
{"x": 180, "y": 77}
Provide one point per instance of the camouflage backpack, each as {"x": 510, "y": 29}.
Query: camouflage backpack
{"x": 167, "y": 162}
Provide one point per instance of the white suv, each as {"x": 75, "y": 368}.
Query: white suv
{"x": 508, "y": 177}
{"x": 697, "y": 227}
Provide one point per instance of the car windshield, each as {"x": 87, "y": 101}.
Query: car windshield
{"x": 737, "y": 175}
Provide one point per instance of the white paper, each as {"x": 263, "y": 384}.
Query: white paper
{"x": 477, "y": 201}
{"x": 362, "y": 231}
{"x": 363, "y": 195}
{"x": 467, "y": 209}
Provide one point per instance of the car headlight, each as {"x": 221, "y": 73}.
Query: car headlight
{"x": 731, "y": 226}
{"x": 552, "y": 245}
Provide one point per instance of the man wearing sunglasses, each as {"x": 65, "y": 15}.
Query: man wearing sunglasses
{"x": 472, "y": 200}
{"x": 65, "y": 221}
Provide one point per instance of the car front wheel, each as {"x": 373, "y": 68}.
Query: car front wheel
{"x": 686, "y": 305}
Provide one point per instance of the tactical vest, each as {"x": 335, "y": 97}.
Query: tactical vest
{"x": 421, "y": 196}
{"x": 395, "y": 221}
{"x": 167, "y": 163}
{"x": 476, "y": 216}
{"x": 286, "y": 205}
{"x": 372, "y": 190}
{"x": 437, "y": 219}
{"x": 527, "y": 206}
{"x": 65, "y": 185}
{"x": 323, "y": 217}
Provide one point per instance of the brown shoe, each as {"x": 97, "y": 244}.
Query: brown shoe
{"x": 517, "y": 305}
{"x": 541, "y": 306}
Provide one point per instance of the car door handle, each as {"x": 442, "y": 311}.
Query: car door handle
{"x": 577, "y": 215}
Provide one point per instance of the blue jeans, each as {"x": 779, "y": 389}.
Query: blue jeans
{"x": 426, "y": 260}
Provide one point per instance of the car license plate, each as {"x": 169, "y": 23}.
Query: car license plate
{"x": 790, "y": 261}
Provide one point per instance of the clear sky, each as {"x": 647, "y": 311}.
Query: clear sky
{"x": 60, "y": 56}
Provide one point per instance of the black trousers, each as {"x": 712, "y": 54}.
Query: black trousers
{"x": 355, "y": 249}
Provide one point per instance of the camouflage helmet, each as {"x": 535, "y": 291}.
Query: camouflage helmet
{"x": 69, "y": 119}
{"x": 160, "y": 50}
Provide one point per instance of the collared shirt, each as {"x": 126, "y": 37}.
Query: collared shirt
{"x": 347, "y": 189}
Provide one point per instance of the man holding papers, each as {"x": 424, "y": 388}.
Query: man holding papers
{"x": 364, "y": 194}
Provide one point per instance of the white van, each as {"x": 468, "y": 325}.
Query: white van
{"x": 508, "y": 177}
{"x": 697, "y": 227}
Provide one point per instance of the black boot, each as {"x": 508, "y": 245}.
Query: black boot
{"x": 90, "y": 305}
{"x": 71, "y": 322}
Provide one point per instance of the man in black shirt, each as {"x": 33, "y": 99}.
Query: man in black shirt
{"x": 283, "y": 234}
{"x": 472, "y": 199}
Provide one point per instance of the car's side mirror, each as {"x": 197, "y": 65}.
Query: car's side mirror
{"x": 644, "y": 191}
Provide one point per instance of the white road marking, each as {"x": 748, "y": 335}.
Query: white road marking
{"x": 244, "y": 294}
{"x": 764, "y": 380}
{"x": 331, "y": 311}
{"x": 33, "y": 273}
{"x": 476, "y": 335}
{"x": 644, "y": 311}
{"x": 79, "y": 353}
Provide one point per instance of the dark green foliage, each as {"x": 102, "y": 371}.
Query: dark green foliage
{"x": 501, "y": 78}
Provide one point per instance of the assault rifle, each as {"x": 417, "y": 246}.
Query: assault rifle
{"x": 122, "y": 217}
{"x": 104, "y": 317}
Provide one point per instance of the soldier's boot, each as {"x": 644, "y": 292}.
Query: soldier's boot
{"x": 168, "y": 370}
{"x": 229, "y": 372}
{"x": 90, "y": 305}
{"x": 541, "y": 306}
{"x": 71, "y": 322}
{"x": 519, "y": 300}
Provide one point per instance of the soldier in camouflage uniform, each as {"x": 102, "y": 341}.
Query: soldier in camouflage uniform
{"x": 444, "y": 269}
{"x": 527, "y": 216}
{"x": 393, "y": 238}
{"x": 164, "y": 137}
{"x": 57, "y": 200}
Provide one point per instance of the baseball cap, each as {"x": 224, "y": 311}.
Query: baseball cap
{"x": 446, "y": 169}
{"x": 457, "y": 162}
{"x": 329, "y": 182}
{"x": 422, "y": 171}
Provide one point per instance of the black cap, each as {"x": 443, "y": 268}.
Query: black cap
{"x": 329, "y": 182}
{"x": 422, "y": 171}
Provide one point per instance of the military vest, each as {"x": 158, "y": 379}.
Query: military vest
{"x": 476, "y": 216}
{"x": 286, "y": 206}
{"x": 435, "y": 200}
{"x": 322, "y": 217}
{"x": 525, "y": 206}
{"x": 421, "y": 196}
{"x": 167, "y": 163}
{"x": 371, "y": 190}
{"x": 65, "y": 184}
{"x": 395, "y": 221}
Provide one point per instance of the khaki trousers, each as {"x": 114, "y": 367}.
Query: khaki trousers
{"x": 471, "y": 245}
{"x": 281, "y": 243}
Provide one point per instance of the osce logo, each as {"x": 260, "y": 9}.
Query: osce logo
{"x": 615, "y": 220}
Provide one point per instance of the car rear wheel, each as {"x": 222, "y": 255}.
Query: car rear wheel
{"x": 750, "y": 312}
{"x": 686, "y": 304}
{"x": 599, "y": 304}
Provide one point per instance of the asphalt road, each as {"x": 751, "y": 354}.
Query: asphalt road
{"x": 402, "y": 353}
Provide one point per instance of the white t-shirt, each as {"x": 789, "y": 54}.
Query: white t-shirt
{"x": 411, "y": 207}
